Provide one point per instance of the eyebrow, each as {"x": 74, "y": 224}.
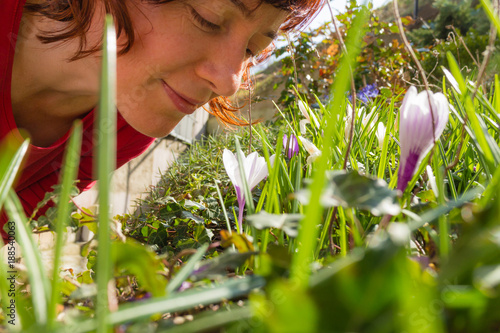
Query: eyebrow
{"x": 247, "y": 12}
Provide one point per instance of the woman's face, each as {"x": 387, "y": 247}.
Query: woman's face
{"x": 185, "y": 53}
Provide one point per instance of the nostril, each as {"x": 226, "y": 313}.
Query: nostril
{"x": 222, "y": 73}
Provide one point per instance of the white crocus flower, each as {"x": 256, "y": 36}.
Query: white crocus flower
{"x": 380, "y": 134}
{"x": 255, "y": 168}
{"x": 348, "y": 120}
{"x": 364, "y": 120}
{"x": 303, "y": 122}
{"x": 415, "y": 129}
{"x": 313, "y": 151}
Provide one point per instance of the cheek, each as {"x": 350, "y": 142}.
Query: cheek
{"x": 132, "y": 87}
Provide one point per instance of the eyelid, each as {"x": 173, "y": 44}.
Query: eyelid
{"x": 204, "y": 22}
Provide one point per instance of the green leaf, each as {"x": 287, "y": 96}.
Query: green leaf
{"x": 66, "y": 287}
{"x": 135, "y": 258}
{"x": 377, "y": 289}
{"x": 289, "y": 223}
{"x": 291, "y": 312}
{"x": 394, "y": 29}
{"x": 487, "y": 277}
{"x": 350, "y": 189}
{"x": 85, "y": 277}
{"x": 179, "y": 301}
{"x": 217, "y": 267}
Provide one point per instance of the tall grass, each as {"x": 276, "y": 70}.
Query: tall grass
{"x": 296, "y": 284}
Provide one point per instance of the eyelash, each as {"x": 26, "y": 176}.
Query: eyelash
{"x": 204, "y": 23}
{"x": 211, "y": 26}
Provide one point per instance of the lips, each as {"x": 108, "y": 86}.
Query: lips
{"x": 182, "y": 103}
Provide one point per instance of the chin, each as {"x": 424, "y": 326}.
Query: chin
{"x": 154, "y": 127}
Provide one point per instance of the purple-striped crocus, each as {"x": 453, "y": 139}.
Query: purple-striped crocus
{"x": 416, "y": 136}
{"x": 291, "y": 145}
{"x": 255, "y": 168}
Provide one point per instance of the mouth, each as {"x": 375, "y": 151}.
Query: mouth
{"x": 181, "y": 102}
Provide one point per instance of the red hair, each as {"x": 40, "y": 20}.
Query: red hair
{"x": 78, "y": 14}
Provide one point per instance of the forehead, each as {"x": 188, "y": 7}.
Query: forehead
{"x": 252, "y": 10}
{"x": 247, "y": 7}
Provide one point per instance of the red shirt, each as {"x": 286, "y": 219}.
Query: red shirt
{"x": 42, "y": 166}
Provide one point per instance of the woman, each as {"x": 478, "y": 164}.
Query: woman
{"x": 174, "y": 56}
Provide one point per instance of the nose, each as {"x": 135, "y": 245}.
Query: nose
{"x": 223, "y": 69}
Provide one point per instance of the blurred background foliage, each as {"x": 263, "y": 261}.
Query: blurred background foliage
{"x": 310, "y": 60}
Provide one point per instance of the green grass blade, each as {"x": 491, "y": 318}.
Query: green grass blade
{"x": 444, "y": 241}
{"x": 385, "y": 148}
{"x": 40, "y": 288}
{"x": 490, "y": 12}
{"x": 246, "y": 190}
{"x": 11, "y": 157}
{"x": 186, "y": 270}
{"x": 307, "y": 238}
{"x": 179, "y": 301}
{"x": 221, "y": 200}
{"x": 214, "y": 321}
{"x": 273, "y": 196}
{"x": 497, "y": 94}
{"x": 68, "y": 175}
{"x": 10, "y": 161}
{"x": 481, "y": 133}
{"x": 491, "y": 190}
{"x": 106, "y": 152}
{"x": 5, "y": 271}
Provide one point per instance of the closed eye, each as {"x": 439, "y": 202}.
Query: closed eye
{"x": 203, "y": 22}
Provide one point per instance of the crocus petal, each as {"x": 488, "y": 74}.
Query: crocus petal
{"x": 230, "y": 164}
{"x": 302, "y": 125}
{"x": 366, "y": 119}
{"x": 273, "y": 157}
{"x": 251, "y": 164}
{"x": 313, "y": 157}
{"x": 416, "y": 129}
{"x": 302, "y": 108}
{"x": 313, "y": 151}
{"x": 348, "y": 121}
{"x": 261, "y": 171}
{"x": 255, "y": 168}
{"x": 290, "y": 145}
{"x": 432, "y": 180}
{"x": 349, "y": 112}
{"x": 258, "y": 171}
{"x": 307, "y": 115}
{"x": 380, "y": 134}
